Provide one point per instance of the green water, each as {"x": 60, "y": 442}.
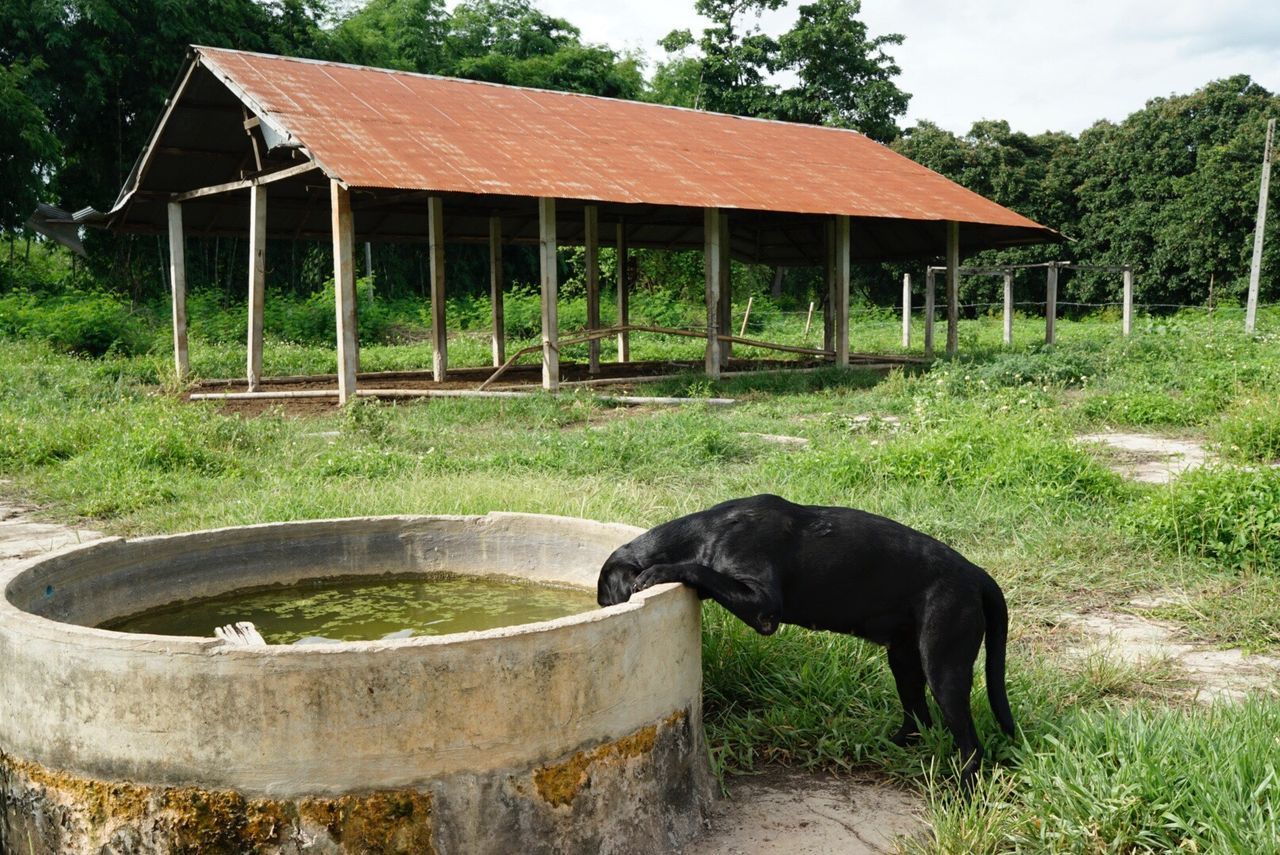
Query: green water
{"x": 366, "y": 609}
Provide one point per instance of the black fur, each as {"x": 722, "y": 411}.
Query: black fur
{"x": 769, "y": 562}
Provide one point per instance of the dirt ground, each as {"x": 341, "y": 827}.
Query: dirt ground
{"x": 614, "y": 379}
{"x": 808, "y": 813}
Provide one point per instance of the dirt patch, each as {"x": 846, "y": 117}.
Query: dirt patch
{"x": 22, "y": 537}
{"x": 806, "y": 813}
{"x": 1149, "y": 458}
{"x": 1211, "y": 673}
{"x": 614, "y": 379}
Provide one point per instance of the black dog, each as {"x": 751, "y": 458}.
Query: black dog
{"x": 769, "y": 561}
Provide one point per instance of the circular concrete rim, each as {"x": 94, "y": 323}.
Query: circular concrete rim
{"x": 45, "y": 628}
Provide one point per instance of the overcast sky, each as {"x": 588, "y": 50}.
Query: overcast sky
{"x": 1040, "y": 64}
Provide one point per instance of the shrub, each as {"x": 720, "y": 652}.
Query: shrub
{"x": 89, "y": 323}
{"x": 1226, "y": 515}
{"x": 1251, "y": 432}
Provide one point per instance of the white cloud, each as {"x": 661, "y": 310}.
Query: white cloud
{"x": 1040, "y": 65}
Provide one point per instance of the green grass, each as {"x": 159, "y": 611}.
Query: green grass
{"x": 978, "y": 452}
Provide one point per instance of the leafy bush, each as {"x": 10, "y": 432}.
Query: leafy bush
{"x": 1251, "y": 432}
{"x": 1228, "y": 516}
{"x": 1147, "y": 406}
{"x": 1014, "y": 452}
{"x": 1049, "y": 367}
{"x": 88, "y": 323}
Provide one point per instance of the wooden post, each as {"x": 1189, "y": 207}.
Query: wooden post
{"x": 1050, "y": 303}
{"x": 930, "y": 293}
{"x": 257, "y": 280}
{"x": 178, "y": 286}
{"x": 368, "y": 260}
{"x": 496, "y": 291}
{"x": 712, "y": 258}
{"x": 550, "y": 287}
{"x": 435, "y": 252}
{"x": 624, "y": 302}
{"x": 591, "y": 242}
{"x": 828, "y": 308}
{"x": 1127, "y": 322}
{"x": 842, "y": 291}
{"x": 344, "y": 287}
{"x": 808, "y": 320}
{"x": 953, "y": 287}
{"x": 726, "y": 290}
{"x": 1255, "y": 268}
{"x": 746, "y": 316}
{"x": 1008, "y": 307}
{"x": 906, "y": 310}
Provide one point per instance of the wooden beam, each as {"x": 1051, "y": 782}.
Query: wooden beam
{"x": 953, "y": 287}
{"x": 1050, "y": 304}
{"x": 435, "y": 252}
{"x": 1008, "y": 307}
{"x": 244, "y": 184}
{"x": 496, "y": 291}
{"x": 1255, "y": 267}
{"x": 344, "y": 287}
{"x": 906, "y": 310}
{"x": 842, "y": 291}
{"x": 1127, "y": 318}
{"x": 257, "y": 281}
{"x": 930, "y": 297}
{"x": 178, "y": 287}
{"x": 591, "y": 245}
{"x": 712, "y": 258}
{"x": 550, "y": 289}
{"x": 829, "y": 303}
{"x": 624, "y": 297}
{"x": 726, "y": 290}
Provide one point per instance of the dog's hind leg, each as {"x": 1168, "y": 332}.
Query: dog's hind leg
{"x": 908, "y": 675}
{"x": 948, "y": 649}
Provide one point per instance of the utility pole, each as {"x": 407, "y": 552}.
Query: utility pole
{"x": 1255, "y": 270}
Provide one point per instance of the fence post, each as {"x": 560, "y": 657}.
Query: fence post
{"x": 929, "y": 287}
{"x": 1128, "y": 301}
{"x": 906, "y": 310}
{"x": 1008, "y": 307}
{"x": 1050, "y": 303}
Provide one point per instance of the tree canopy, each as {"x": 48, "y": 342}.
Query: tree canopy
{"x": 844, "y": 77}
{"x": 1171, "y": 189}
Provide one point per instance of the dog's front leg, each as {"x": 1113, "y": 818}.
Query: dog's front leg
{"x": 748, "y": 600}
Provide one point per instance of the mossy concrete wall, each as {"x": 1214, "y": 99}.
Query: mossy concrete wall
{"x": 579, "y": 734}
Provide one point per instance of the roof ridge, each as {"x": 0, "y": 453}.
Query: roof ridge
{"x": 509, "y": 86}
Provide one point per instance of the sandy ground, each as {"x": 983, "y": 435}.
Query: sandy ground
{"x": 806, "y": 813}
{"x": 1211, "y": 674}
{"x": 783, "y": 811}
{"x": 1148, "y": 458}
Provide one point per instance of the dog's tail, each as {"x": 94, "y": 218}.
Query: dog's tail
{"x": 997, "y": 616}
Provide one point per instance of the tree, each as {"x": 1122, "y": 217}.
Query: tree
{"x": 28, "y": 151}
{"x": 844, "y": 77}
{"x": 408, "y": 35}
{"x": 1173, "y": 189}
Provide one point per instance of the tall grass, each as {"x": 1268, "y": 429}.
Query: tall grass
{"x": 977, "y": 451}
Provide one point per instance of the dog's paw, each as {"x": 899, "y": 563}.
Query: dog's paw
{"x": 646, "y": 579}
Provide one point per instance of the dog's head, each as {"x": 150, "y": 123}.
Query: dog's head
{"x": 617, "y": 576}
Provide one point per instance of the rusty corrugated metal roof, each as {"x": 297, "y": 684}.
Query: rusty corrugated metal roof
{"x": 375, "y": 128}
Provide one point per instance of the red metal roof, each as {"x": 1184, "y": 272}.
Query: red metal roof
{"x": 388, "y": 129}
